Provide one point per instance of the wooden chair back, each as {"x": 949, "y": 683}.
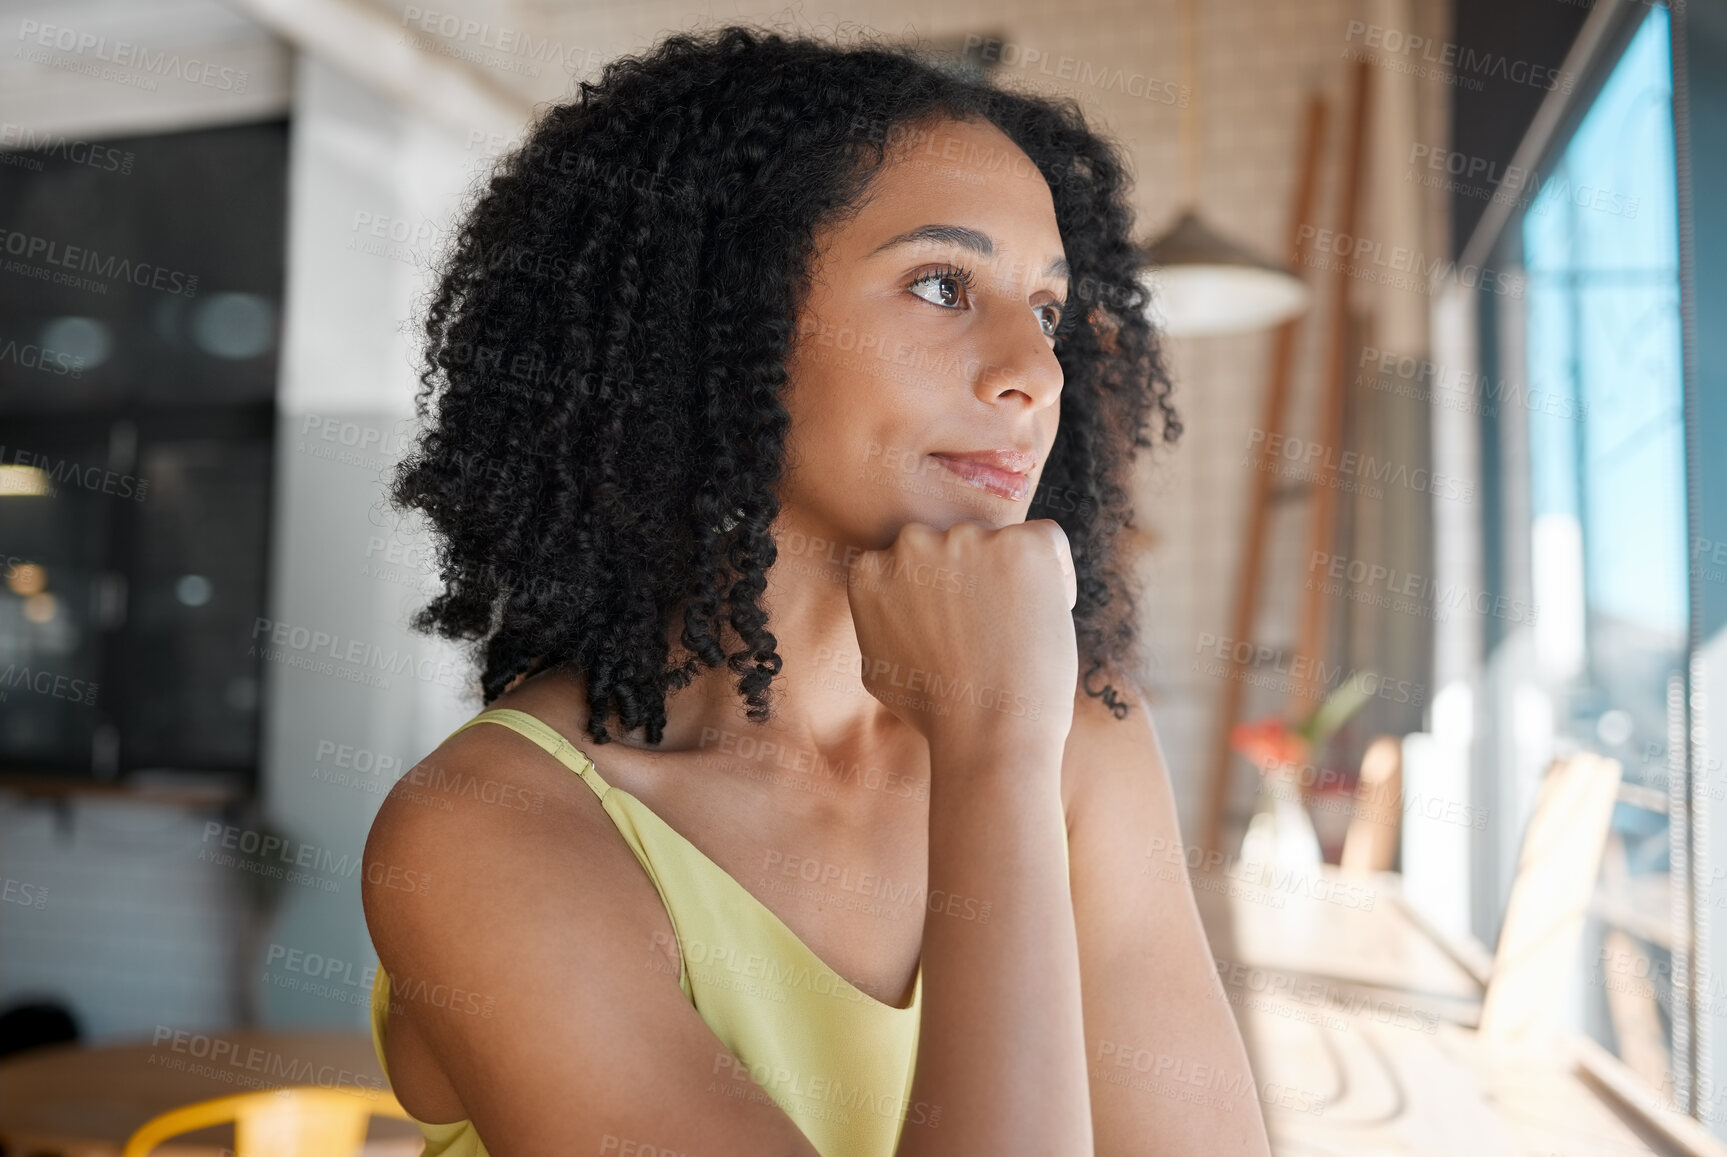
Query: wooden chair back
{"x": 1556, "y": 875}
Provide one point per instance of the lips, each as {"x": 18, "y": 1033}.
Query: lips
{"x": 1004, "y": 473}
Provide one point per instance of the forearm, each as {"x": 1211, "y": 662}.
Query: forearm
{"x": 1001, "y": 1045}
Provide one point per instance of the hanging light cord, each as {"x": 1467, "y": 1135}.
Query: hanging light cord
{"x": 1190, "y": 112}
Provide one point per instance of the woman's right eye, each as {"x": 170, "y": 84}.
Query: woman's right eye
{"x": 948, "y": 288}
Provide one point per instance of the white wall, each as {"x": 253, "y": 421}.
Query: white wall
{"x": 360, "y": 167}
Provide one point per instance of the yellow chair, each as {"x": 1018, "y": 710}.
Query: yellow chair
{"x": 290, "y": 1122}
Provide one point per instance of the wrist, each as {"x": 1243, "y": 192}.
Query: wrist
{"x": 987, "y": 749}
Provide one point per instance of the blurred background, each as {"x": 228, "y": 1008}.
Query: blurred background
{"x": 1435, "y": 580}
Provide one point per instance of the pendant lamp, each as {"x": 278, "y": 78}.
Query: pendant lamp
{"x": 1202, "y": 282}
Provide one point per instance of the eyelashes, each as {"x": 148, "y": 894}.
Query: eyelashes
{"x": 952, "y": 289}
{"x": 962, "y": 277}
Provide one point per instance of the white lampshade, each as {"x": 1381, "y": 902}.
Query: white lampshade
{"x": 1203, "y": 283}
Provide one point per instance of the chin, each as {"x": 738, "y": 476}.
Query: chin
{"x": 995, "y": 512}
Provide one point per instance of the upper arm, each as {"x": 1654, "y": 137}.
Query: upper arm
{"x": 527, "y": 957}
{"x": 1169, "y": 1073}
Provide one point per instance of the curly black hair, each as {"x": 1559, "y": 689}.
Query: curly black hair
{"x": 606, "y": 356}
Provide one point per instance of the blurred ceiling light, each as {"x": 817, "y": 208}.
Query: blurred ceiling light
{"x": 84, "y": 338}
{"x": 1202, "y": 282}
{"x": 193, "y": 590}
{"x": 234, "y": 325}
{"x": 41, "y": 607}
{"x": 23, "y": 481}
{"x": 27, "y": 579}
{"x": 1205, "y": 284}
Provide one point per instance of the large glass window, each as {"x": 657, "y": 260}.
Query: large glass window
{"x": 1597, "y": 458}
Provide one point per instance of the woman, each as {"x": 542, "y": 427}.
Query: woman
{"x": 780, "y": 400}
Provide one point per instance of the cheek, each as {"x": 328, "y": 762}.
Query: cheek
{"x": 858, "y": 438}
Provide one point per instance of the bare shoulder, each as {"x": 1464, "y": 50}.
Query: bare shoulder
{"x": 533, "y": 971}
{"x": 486, "y": 815}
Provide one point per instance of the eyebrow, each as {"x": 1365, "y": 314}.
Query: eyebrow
{"x": 971, "y": 239}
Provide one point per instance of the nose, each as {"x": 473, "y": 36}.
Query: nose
{"x": 1016, "y": 358}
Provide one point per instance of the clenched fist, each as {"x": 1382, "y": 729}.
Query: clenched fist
{"x": 1001, "y": 656}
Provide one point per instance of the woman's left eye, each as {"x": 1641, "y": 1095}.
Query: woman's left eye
{"x": 1050, "y": 317}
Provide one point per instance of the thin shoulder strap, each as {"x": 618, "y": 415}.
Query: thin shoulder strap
{"x": 554, "y": 744}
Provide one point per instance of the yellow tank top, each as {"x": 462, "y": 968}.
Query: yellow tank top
{"x": 838, "y": 1061}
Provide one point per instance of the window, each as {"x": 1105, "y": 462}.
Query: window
{"x": 140, "y": 287}
{"x": 1601, "y": 249}
{"x": 1589, "y": 479}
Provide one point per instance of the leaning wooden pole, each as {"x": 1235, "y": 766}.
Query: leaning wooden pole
{"x": 1310, "y": 690}
{"x": 1248, "y": 576}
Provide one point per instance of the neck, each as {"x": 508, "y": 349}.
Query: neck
{"x": 820, "y": 713}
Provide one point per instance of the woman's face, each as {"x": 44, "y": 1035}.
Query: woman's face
{"x": 923, "y": 383}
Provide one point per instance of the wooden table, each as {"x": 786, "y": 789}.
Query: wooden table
{"x": 1344, "y": 1006}
{"x": 1349, "y": 937}
{"x": 73, "y": 1101}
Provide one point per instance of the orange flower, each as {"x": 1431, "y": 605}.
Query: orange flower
{"x": 1269, "y": 743}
